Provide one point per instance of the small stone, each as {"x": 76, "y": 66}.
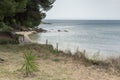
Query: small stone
{"x": 59, "y": 30}
{"x": 1, "y": 60}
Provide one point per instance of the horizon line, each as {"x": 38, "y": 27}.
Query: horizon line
{"x": 82, "y": 19}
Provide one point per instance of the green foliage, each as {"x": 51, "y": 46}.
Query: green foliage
{"x": 5, "y": 28}
{"x": 96, "y": 59}
{"x": 7, "y": 38}
{"x": 27, "y": 13}
{"x": 7, "y": 41}
{"x": 7, "y": 7}
{"x": 46, "y": 4}
{"x": 30, "y": 64}
{"x": 21, "y": 5}
{"x": 96, "y": 56}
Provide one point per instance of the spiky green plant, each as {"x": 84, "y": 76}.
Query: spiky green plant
{"x": 30, "y": 65}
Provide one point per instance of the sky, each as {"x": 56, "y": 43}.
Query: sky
{"x": 85, "y": 10}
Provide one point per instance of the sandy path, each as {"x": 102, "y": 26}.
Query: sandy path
{"x": 26, "y": 36}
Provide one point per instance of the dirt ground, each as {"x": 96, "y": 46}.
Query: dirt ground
{"x": 51, "y": 67}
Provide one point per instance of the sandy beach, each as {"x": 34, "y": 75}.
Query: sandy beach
{"x": 26, "y": 36}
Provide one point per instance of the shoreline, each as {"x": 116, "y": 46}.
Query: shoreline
{"x": 26, "y": 36}
{"x": 95, "y": 55}
{"x": 27, "y": 32}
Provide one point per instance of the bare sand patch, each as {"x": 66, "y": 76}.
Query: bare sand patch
{"x": 26, "y": 36}
{"x": 52, "y": 67}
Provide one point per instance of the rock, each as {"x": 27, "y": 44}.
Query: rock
{"x": 30, "y": 29}
{"x": 62, "y": 31}
{"x": 46, "y": 23}
{"x": 40, "y": 30}
{"x": 1, "y": 60}
{"x": 59, "y": 30}
{"x": 65, "y": 31}
{"x": 24, "y": 29}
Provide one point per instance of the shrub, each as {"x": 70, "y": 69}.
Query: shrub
{"x": 30, "y": 64}
{"x": 8, "y": 41}
{"x": 5, "y": 28}
{"x": 8, "y": 38}
{"x": 96, "y": 57}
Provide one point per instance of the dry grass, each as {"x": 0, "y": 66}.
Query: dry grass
{"x": 54, "y": 65}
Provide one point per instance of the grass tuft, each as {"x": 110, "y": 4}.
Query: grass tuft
{"x": 30, "y": 64}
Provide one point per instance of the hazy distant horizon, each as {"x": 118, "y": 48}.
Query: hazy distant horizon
{"x": 82, "y": 21}
{"x": 85, "y": 10}
{"x": 87, "y": 19}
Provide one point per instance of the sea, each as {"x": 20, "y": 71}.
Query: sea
{"x": 93, "y": 36}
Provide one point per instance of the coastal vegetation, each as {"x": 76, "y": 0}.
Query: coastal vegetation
{"x": 19, "y": 14}
{"x": 30, "y": 64}
{"x": 34, "y": 61}
{"x": 55, "y": 65}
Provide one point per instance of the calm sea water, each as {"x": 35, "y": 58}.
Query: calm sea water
{"x": 92, "y": 35}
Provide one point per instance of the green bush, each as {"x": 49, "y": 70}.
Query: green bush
{"x": 8, "y": 38}
{"x": 30, "y": 64}
{"x": 8, "y": 41}
{"x": 5, "y": 28}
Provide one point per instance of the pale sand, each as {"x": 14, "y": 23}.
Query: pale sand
{"x": 64, "y": 69}
{"x": 26, "y": 36}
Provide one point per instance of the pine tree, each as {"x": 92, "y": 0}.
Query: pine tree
{"x": 27, "y": 13}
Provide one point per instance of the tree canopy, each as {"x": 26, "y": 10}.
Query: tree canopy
{"x": 27, "y": 13}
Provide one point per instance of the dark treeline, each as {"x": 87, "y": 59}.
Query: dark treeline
{"x": 15, "y": 14}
